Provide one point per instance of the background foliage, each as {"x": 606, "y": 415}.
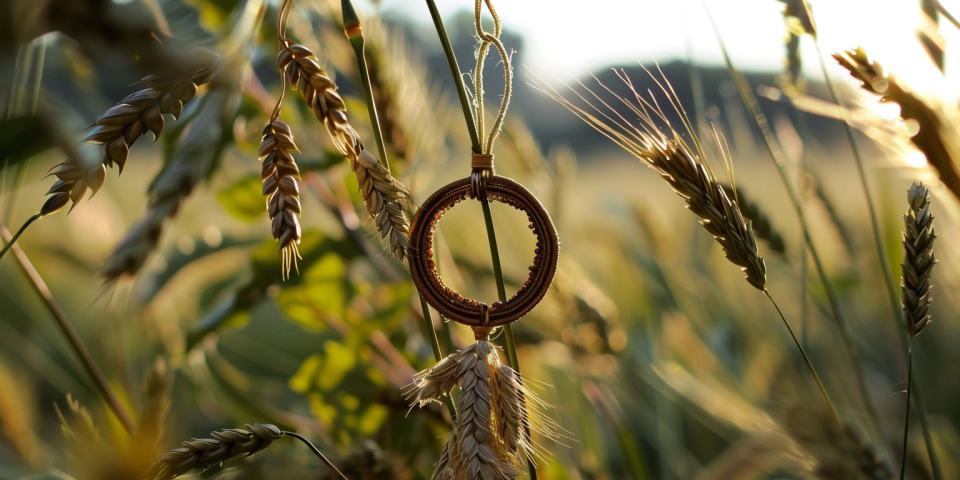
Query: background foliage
{"x": 658, "y": 358}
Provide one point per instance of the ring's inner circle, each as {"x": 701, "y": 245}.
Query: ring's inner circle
{"x": 513, "y": 236}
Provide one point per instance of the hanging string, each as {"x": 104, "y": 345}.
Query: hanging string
{"x": 488, "y": 39}
{"x": 281, "y": 37}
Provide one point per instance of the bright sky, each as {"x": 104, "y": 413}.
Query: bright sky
{"x": 576, "y": 36}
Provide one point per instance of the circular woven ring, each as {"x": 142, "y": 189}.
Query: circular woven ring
{"x": 453, "y": 305}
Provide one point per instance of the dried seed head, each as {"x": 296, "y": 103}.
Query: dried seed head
{"x": 383, "y": 195}
{"x": 680, "y": 165}
{"x": 207, "y": 452}
{"x": 123, "y": 124}
{"x": 918, "y": 260}
{"x": 694, "y": 181}
{"x": 196, "y": 153}
{"x": 490, "y": 437}
{"x": 280, "y": 185}
{"x": 934, "y": 138}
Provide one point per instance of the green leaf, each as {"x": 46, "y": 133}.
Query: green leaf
{"x": 22, "y": 138}
{"x": 265, "y": 264}
{"x": 243, "y": 200}
{"x": 323, "y": 292}
{"x": 321, "y": 378}
{"x": 177, "y": 260}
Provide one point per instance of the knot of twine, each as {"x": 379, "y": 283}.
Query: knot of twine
{"x": 482, "y": 164}
{"x": 482, "y": 331}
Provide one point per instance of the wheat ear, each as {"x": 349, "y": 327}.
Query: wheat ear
{"x": 280, "y": 175}
{"x": 383, "y": 195}
{"x": 192, "y": 161}
{"x": 918, "y": 260}
{"x": 204, "y": 453}
{"x": 683, "y": 169}
{"x": 932, "y": 139}
{"x": 226, "y": 444}
{"x": 123, "y": 124}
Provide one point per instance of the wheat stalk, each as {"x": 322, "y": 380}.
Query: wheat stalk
{"x": 227, "y": 444}
{"x": 204, "y": 453}
{"x": 932, "y": 139}
{"x": 120, "y": 126}
{"x": 681, "y": 167}
{"x": 191, "y": 162}
{"x": 383, "y": 195}
{"x": 918, "y": 260}
{"x": 280, "y": 175}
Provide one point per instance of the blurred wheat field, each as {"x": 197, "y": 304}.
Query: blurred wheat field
{"x": 658, "y": 360}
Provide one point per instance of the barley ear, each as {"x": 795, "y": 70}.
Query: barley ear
{"x": 280, "y": 175}
{"x": 384, "y": 197}
{"x": 918, "y": 260}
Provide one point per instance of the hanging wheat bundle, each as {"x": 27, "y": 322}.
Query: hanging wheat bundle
{"x": 491, "y": 433}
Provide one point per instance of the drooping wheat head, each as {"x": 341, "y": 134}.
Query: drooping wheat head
{"x": 935, "y": 138}
{"x": 204, "y": 453}
{"x": 195, "y": 156}
{"x": 384, "y": 197}
{"x": 280, "y": 177}
{"x": 918, "y": 260}
{"x": 682, "y": 166}
{"x": 120, "y": 126}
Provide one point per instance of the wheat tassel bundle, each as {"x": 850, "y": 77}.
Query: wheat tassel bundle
{"x": 489, "y": 438}
{"x": 383, "y": 195}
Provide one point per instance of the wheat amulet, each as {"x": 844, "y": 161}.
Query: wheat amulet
{"x": 423, "y": 268}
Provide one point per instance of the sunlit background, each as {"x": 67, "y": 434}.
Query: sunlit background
{"x": 661, "y": 362}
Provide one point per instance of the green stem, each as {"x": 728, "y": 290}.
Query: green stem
{"x": 100, "y": 381}
{"x": 498, "y": 277}
{"x": 921, "y": 409}
{"x": 351, "y": 25}
{"x": 881, "y": 251}
{"x": 776, "y": 150}
{"x": 502, "y": 295}
{"x": 19, "y": 232}
{"x": 511, "y": 347}
{"x": 861, "y": 171}
{"x": 317, "y": 452}
{"x": 823, "y": 390}
{"x": 457, "y": 79}
{"x": 906, "y": 413}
